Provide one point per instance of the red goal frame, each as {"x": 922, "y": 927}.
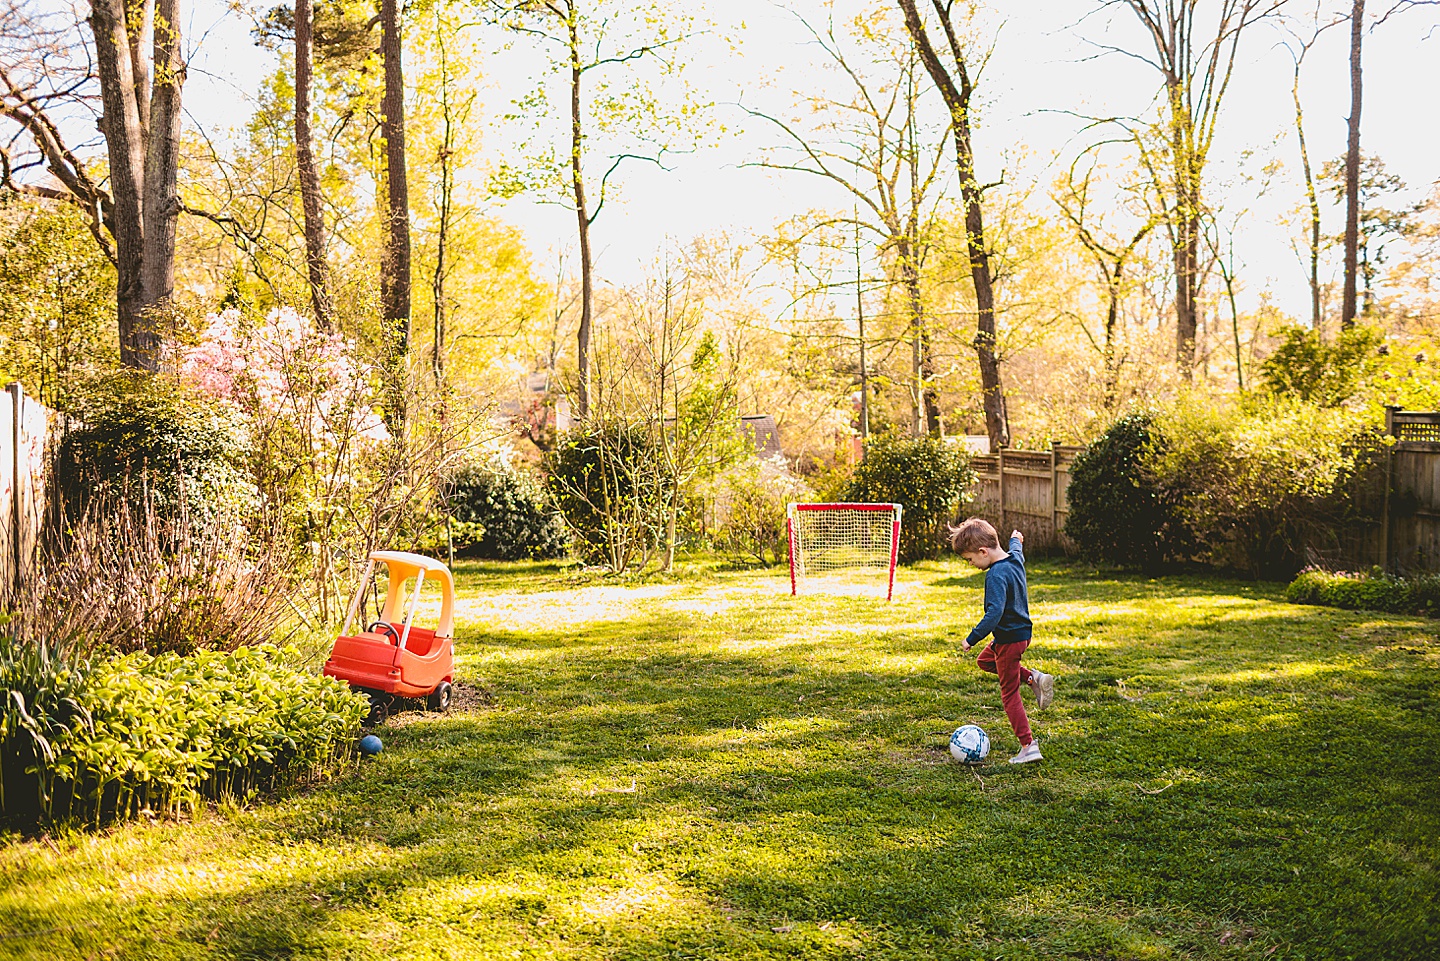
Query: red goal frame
{"x": 894, "y": 509}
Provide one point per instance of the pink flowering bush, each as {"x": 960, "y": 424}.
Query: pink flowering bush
{"x": 319, "y": 452}
{"x": 285, "y": 369}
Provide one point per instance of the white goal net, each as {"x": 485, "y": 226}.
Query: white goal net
{"x": 843, "y": 548}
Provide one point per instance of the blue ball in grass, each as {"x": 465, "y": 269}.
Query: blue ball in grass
{"x": 370, "y": 745}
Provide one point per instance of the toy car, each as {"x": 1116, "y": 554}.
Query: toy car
{"x": 392, "y": 657}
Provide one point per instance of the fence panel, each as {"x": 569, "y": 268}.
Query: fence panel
{"x": 1411, "y": 526}
{"x": 1026, "y": 489}
{"x": 24, "y": 433}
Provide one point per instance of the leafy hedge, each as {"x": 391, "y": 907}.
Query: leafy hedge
{"x": 1253, "y": 484}
{"x": 1373, "y": 591}
{"x": 930, "y": 480}
{"x": 499, "y": 513}
{"x": 1119, "y": 512}
{"x": 102, "y": 740}
{"x": 1260, "y": 481}
{"x": 154, "y": 444}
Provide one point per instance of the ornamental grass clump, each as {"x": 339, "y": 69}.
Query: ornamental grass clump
{"x": 108, "y": 740}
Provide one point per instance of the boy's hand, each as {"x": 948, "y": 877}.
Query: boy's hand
{"x": 1019, "y": 535}
{"x": 965, "y": 645}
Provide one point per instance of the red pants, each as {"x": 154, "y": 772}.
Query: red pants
{"x": 1003, "y": 660}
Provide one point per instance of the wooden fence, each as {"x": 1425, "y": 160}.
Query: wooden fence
{"x": 1026, "y": 489}
{"x": 1399, "y": 502}
{"x": 24, "y": 433}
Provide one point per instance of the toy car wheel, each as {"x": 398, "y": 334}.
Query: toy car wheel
{"x": 379, "y": 709}
{"x": 439, "y": 699}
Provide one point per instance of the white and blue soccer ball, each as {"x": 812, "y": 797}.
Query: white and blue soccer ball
{"x": 969, "y": 744}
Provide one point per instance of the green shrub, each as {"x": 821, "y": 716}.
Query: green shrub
{"x": 108, "y": 739}
{"x": 1119, "y": 512}
{"x": 146, "y": 440}
{"x": 1306, "y": 368}
{"x": 499, "y": 513}
{"x": 1260, "y": 482}
{"x": 754, "y": 495}
{"x": 607, "y": 481}
{"x": 1373, "y": 591}
{"x": 45, "y": 694}
{"x": 929, "y": 479}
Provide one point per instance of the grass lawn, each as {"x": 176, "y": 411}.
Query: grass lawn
{"x": 707, "y": 768}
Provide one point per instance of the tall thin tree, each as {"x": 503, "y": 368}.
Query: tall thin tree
{"x": 587, "y": 37}
{"x": 873, "y": 146}
{"x": 395, "y": 262}
{"x": 1352, "y": 165}
{"x": 956, "y": 86}
{"x": 1195, "y": 65}
{"x": 317, "y": 271}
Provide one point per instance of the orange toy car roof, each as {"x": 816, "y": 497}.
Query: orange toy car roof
{"x": 404, "y": 565}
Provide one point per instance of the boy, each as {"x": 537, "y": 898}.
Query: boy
{"x": 1007, "y": 616}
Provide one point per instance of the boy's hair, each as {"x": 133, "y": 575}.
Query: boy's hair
{"x": 973, "y": 534}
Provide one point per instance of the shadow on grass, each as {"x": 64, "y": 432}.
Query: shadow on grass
{"x": 785, "y": 797}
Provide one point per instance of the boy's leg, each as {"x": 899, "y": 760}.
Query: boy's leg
{"x": 986, "y": 661}
{"x": 1005, "y": 662}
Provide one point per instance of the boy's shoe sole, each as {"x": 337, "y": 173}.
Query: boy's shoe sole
{"x": 1044, "y": 690}
{"x": 1031, "y": 752}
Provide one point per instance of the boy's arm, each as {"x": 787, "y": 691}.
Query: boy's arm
{"x": 994, "y": 607}
{"x": 1017, "y": 546}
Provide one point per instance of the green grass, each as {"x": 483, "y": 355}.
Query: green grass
{"x": 705, "y": 768}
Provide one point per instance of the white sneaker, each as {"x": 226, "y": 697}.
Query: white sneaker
{"x": 1028, "y": 753}
{"x": 1043, "y": 685}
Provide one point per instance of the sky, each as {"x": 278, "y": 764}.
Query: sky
{"x": 1046, "y": 67}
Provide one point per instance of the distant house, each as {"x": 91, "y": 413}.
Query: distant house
{"x": 762, "y": 433}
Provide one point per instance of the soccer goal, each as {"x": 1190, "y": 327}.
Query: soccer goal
{"x": 843, "y": 548}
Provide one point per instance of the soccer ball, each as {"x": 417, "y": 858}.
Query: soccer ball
{"x": 969, "y": 744}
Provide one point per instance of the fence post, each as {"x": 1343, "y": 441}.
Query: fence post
{"x": 1000, "y": 459}
{"x": 17, "y": 428}
{"x": 1055, "y": 490}
{"x": 1390, "y": 411}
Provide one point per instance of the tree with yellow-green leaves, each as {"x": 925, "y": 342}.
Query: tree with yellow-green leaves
{"x": 613, "y": 72}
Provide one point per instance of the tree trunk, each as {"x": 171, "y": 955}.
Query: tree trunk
{"x": 582, "y": 216}
{"x": 395, "y": 267}
{"x": 1186, "y": 257}
{"x": 1352, "y": 167}
{"x": 1186, "y": 237}
{"x": 993, "y": 396}
{"x": 141, "y": 123}
{"x": 447, "y": 193}
{"x": 315, "y": 265}
{"x": 162, "y": 162}
{"x": 957, "y": 100}
{"x": 925, "y": 406}
{"x": 437, "y": 359}
{"x": 1311, "y": 200}
{"x": 1112, "y": 321}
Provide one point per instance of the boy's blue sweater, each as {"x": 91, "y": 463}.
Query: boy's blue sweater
{"x": 1007, "y": 600}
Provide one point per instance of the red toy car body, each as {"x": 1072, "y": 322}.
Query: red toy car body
{"x": 392, "y": 656}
